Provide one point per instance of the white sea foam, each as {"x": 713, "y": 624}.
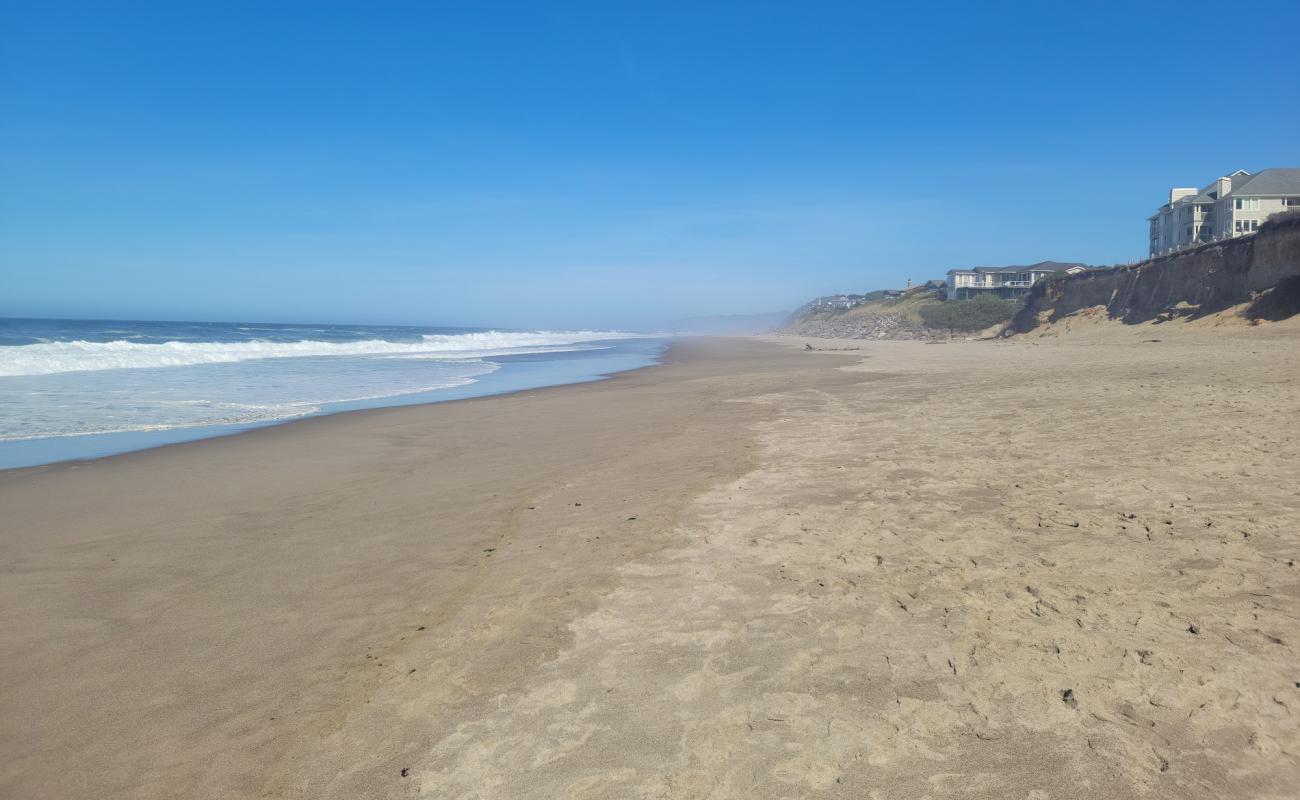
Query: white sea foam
{"x": 48, "y": 358}
{"x": 162, "y": 415}
{"x": 126, "y": 400}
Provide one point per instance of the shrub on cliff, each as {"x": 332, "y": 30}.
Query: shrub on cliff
{"x": 968, "y": 315}
{"x": 1282, "y": 219}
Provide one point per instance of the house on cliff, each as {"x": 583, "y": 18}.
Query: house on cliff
{"x": 1005, "y": 282}
{"x": 1233, "y": 205}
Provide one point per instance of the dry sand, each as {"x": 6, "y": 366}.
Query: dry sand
{"x": 1058, "y": 567}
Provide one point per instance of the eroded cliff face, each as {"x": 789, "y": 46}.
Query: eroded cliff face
{"x": 1263, "y": 270}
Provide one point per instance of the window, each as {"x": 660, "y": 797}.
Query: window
{"x": 1291, "y": 202}
{"x": 1248, "y": 203}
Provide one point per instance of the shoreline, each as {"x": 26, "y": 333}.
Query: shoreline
{"x": 170, "y": 437}
{"x": 755, "y": 571}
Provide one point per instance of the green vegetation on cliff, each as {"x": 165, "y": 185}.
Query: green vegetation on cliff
{"x": 920, "y": 313}
{"x": 968, "y": 315}
{"x": 906, "y": 306}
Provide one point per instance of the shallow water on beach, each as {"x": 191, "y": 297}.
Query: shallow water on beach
{"x": 79, "y": 389}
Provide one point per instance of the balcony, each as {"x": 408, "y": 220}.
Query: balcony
{"x": 992, "y": 286}
{"x": 1001, "y": 285}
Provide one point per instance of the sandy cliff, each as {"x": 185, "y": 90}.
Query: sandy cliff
{"x": 1260, "y": 273}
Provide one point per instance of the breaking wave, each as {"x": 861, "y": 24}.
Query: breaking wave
{"x": 49, "y": 358}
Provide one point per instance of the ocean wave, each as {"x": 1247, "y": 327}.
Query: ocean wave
{"x": 242, "y": 414}
{"x": 48, "y": 358}
{"x": 477, "y": 355}
{"x": 162, "y": 415}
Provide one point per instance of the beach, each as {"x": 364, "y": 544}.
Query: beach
{"x": 1057, "y": 566}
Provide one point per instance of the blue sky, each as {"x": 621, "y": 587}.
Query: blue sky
{"x": 607, "y": 163}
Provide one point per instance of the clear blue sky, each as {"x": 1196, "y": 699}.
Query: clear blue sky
{"x": 610, "y": 163}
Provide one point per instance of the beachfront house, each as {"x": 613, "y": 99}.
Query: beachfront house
{"x": 1233, "y": 205}
{"x": 1005, "y": 282}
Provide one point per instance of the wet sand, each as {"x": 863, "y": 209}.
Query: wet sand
{"x": 1053, "y": 567}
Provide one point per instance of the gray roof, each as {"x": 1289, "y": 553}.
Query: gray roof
{"x": 1041, "y": 266}
{"x": 1266, "y": 182}
{"x": 1236, "y": 179}
{"x": 1203, "y": 197}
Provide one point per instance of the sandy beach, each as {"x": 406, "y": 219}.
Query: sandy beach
{"x": 1058, "y": 566}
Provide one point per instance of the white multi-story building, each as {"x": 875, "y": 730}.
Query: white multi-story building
{"x": 1004, "y": 282}
{"x": 1234, "y": 205}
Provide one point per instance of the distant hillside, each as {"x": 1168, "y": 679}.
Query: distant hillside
{"x": 874, "y": 315}
{"x": 730, "y": 323}
{"x": 832, "y": 305}
{"x": 900, "y": 314}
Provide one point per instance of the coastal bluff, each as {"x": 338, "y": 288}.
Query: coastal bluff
{"x": 894, "y": 315}
{"x": 1260, "y": 272}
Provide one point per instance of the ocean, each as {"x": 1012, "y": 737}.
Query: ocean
{"x": 75, "y": 389}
